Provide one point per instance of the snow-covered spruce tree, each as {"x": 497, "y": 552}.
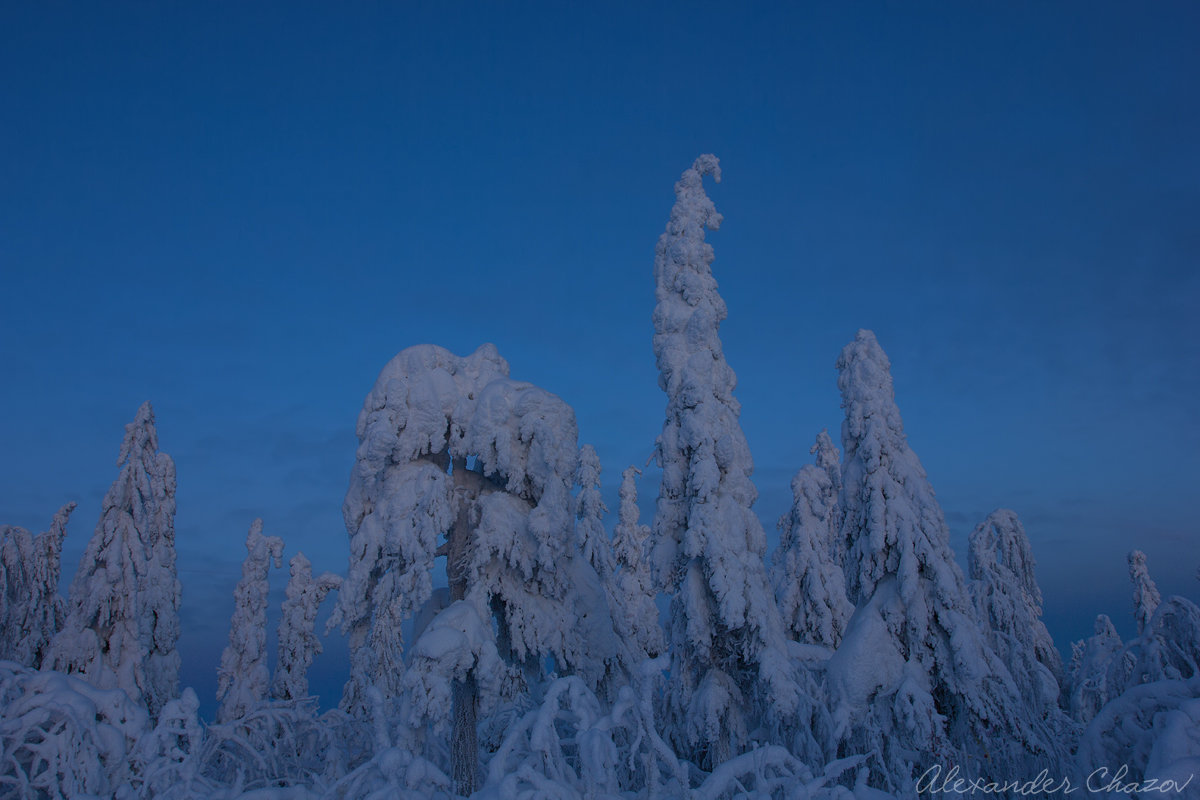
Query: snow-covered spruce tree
{"x": 1141, "y": 701}
{"x": 31, "y": 610}
{"x": 298, "y": 641}
{"x": 808, "y": 580}
{"x": 1167, "y": 646}
{"x": 1086, "y": 688}
{"x": 828, "y": 459}
{"x": 636, "y": 618}
{"x": 914, "y": 677}
{"x": 456, "y": 459}
{"x": 590, "y": 596}
{"x": 1009, "y": 602}
{"x": 1145, "y": 593}
{"x": 243, "y": 677}
{"x": 729, "y": 663}
{"x": 1168, "y": 649}
{"x": 122, "y": 618}
{"x": 589, "y": 512}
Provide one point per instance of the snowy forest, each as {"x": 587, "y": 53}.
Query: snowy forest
{"x": 561, "y": 650}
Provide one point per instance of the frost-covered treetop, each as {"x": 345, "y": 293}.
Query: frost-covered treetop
{"x": 428, "y": 401}
{"x": 869, "y": 400}
{"x": 1146, "y": 596}
{"x": 243, "y": 676}
{"x": 629, "y": 535}
{"x": 999, "y": 554}
{"x": 702, "y": 450}
{"x": 31, "y": 610}
{"x": 589, "y": 511}
{"x": 890, "y": 509}
{"x": 410, "y": 410}
{"x": 828, "y": 459}
{"x": 689, "y": 308}
{"x": 122, "y": 620}
{"x": 1001, "y": 566}
{"x": 806, "y": 572}
{"x": 140, "y": 435}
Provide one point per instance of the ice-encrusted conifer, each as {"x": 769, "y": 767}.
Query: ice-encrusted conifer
{"x": 31, "y": 610}
{"x": 589, "y": 512}
{"x": 1009, "y": 600}
{"x": 828, "y": 459}
{"x": 1167, "y": 647}
{"x": 1087, "y": 676}
{"x": 1146, "y": 596}
{"x": 809, "y": 585}
{"x": 243, "y": 677}
{"x": 637, "y": 618}
{"x": 456, "y": 459}
{"x": 298, "y": 641}
{"x": 914, "y": 676}
{"x": 729, "y": 667}
{"x": 122, "y": 618}
{"x": 597, "y": 601}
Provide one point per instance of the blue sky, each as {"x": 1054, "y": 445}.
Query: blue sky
{"x": 241, "y": 211}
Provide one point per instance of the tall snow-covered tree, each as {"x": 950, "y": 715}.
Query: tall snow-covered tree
{"x": 122, "y": 618}
{"x": 1146, "y": 596}
{"x": 1087, "y": 688}
{"x": 594, "y": 544}
{"x": 914, "y": 676}
{"x": 1167, "y": 646}
{"x": 1009, "y": 602}
{"x": 636, "y": 618}
{"x": 807, "y": 576}
{"x": 729, "y": 665}
{"x": 828, "y": 459}
{"x": 243, "y": 677}
{"x": 298, "y": 641}
{"x": 456, "y": 459}
{"x": 598, "y": 604}
{"x": 31, "y": 610}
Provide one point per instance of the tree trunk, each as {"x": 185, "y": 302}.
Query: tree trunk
{"x": 464, "y": 695}
{"x": 464, "y": 746}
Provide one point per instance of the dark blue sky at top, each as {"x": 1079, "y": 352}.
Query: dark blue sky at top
{"x": 241, "y": 211}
